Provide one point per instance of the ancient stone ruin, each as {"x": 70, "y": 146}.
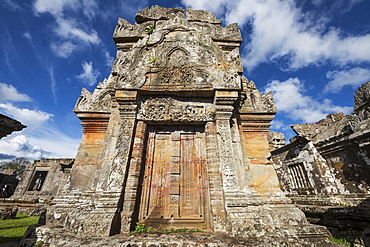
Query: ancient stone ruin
{"x": 328, "y": 164}
{"x": 176, "y": 137}
{"x": 42, "y": 180}
{"x": 331, "y": 156}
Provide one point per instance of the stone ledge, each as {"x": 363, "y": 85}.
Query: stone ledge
{"x": 61, "y": 237}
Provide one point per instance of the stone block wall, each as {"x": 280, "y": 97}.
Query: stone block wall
{"x": 43, "y": 179}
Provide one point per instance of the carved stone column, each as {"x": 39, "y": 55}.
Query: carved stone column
{"x": 224, "y": 110}
{"x": 219, "y": 222}
{"x": 127, "y": 109}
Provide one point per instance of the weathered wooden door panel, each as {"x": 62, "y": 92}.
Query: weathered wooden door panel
{"x": 174, "y": 187}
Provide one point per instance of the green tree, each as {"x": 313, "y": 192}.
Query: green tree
{"x": 18, "y": 164}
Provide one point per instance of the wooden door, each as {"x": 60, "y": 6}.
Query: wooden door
{"x": 174, "y": 184}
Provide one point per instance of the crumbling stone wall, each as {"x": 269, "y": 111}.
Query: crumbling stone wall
{"x": 42, "y": 179}
{"x": 333, "y": 153}
{"x": 8, "y": 183}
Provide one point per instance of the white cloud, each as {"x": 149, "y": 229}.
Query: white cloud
{"x": 27, "y": 35}
{"x": 55, "y": 7}
{"x": 89, "y": 76}
{"x": 32, "y": 118}
{"x": 351, "y": 77}
{"x": 279, "y": 125}
{"x": 68, "y": 29}
{"x": 108, "y": 59}
{"x": 283, "y": 33}
{"x": 63, "y": 49}
{"x": 20, "y": 146}
{"x": 290, "y": 99}
{"x": 10, "y": 93}
{"x": 65, "y": 146}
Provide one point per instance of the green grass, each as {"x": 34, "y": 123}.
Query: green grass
{"x": 14, "y": 229}
{"x": 341, "y": 241}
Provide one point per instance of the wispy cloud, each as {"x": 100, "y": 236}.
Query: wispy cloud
{"x": 88, "y": 76}
{"x": 350, "y": 77}
{"x": 9, "y": 4}
{"x": 290, "y": 99}
{"x": 70, "y": 33}
{"x": 69, "y": 29}
{"x": 53, "y": 83}
{"x": 63, "y": 49}
{"x": 10, "y": 93}
{"x": 55, "y": 7}
{"x": 27, "y": 35}
{"x": 283, "y": 33}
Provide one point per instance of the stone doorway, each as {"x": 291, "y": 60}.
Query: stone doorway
{"x": 174, "y": 188}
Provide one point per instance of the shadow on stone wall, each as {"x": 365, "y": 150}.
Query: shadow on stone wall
{"x": 343, "y": 221}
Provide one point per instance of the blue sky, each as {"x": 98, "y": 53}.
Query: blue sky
{"x": 312, "y": 54}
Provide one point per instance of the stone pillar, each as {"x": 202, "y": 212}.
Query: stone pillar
{"x": 224, "y": 109}
{"x": 119, "y": 170}
{"x": 94, "y": 127}
{"x": 219, "y": 222}
{"x": 255, "y": 127}
{"x": 127, "y": 108}
{"x": 132, "y": 180}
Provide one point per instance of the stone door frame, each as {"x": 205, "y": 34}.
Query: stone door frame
{"x": 216, "y": 216}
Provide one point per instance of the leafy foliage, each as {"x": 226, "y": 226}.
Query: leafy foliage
{"x": 140, "y": 227}
{"x": 150, "y": 29}
{"x": 18, "y": 164}
{"x": 153, "y": 60}
{"x": 212, "y": 114}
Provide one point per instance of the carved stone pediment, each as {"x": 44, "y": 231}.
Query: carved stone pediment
{"x": 99, "y": 101}
{"x": 174, "y": 109}
{"x": 254, "y": 101}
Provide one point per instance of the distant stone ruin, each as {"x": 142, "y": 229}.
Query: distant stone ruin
{"x": 176, "y": 137}
{"x": 42, "y": 180}
{"x": 325, "y": 169}
{"x": 329, "y": 157}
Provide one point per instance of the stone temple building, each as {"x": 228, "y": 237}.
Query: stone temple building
{"x": 330, "y": 157}
{"x": 176, "y": 137}
{"x": 326, "y": 165}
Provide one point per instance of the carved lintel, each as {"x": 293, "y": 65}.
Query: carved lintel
{"x": 127, "y": 103}
{"x": 174, "y": 109}
{"x": 125, "y": 96}
{"x": 256, "y": 121}
{"x": 226, "y": 97}
{"x": 94, "y": 122}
